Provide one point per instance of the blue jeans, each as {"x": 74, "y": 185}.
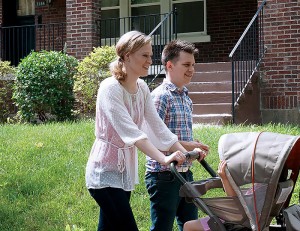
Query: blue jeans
{"x": 115, "y": 210}
{"x": 165, "y": 202}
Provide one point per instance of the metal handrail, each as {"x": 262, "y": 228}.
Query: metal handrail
{"x": 170, "y": 37}
{"x": 246, "y": 56}
{"x": 247, "y": 28}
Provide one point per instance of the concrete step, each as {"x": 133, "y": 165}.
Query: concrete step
{"x": 215, "y": 108}
{"x": 210, "y": 91}
{"x": 210, "y": 97}
{"x": 212, "y": 76}
{"x": 210, "y": 86}
{"x": 215, "y": 119}
{"x": 213, "y": 67}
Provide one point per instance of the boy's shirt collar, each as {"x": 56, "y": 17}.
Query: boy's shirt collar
{"x": 172, "y": 87}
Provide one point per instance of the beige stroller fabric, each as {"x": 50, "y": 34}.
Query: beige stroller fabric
{"x": 255, "y": 162}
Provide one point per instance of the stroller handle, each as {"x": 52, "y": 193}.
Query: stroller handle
{"x": 193, "y": 155}
{"x": 214, "y": 221}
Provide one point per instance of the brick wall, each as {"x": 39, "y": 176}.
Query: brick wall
{"x": 51, "y": 37}
{"x": 281, "y": 79}
{"x": 226, "y": 21}
{"x": 81, "y": 27}
{"x": 52, "y": 14}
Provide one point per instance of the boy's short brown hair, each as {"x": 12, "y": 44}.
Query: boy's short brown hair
{"x": 172, "y": 50}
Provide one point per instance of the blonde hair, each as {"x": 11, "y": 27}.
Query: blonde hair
{"x": 128, "y": 44}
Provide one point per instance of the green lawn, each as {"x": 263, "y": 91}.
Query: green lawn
{"x": 42, "y": 185}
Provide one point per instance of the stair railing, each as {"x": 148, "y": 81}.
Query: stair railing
{"x": 163, "y": 33}
{"x": 246, "y": 56}
{"x": 161, "y": 27}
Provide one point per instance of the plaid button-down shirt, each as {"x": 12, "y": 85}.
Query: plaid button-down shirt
{"x": 175, "y": 108}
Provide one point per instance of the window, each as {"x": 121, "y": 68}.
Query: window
{"x": 25, "y": 7}
{"x": 191, "y": 21}
{"x": 110, "y": 23}
{"x": 108, "y": 3}
{"x": 145, "y": 14}
{"x": 189, "y": 10}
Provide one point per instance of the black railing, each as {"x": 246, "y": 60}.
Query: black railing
{"x": 161, "y": 27}
{"x": 16, "y": 42}
{"x": 167, "y": 32}
{"x": 246, "y": 56}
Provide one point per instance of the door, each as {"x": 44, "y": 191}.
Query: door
{"x": 17, "y": 31}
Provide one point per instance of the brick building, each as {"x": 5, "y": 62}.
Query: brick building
{"x": 280, "y": 92}
{"x": 214, "y": 26}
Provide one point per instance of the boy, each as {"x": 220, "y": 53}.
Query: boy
{"x": 175, "y": 108}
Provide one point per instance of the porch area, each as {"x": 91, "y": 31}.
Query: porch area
{"x": 221, "y": 81}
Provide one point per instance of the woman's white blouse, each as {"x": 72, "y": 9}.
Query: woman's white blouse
{"x": 121, "y": 120}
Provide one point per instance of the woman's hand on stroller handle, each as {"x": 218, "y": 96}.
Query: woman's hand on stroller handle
{"x": 193, "y": 155}
{"x": 196, "y": 154}
{"x": 176, "y": 157}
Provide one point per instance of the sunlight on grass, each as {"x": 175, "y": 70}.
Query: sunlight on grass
{"x": 42, "y": 184}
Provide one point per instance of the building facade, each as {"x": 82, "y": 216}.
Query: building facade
{"x": 214, "y": 26}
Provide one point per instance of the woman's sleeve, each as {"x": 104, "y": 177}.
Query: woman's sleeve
{"x": 111, "y": 102}
{"x": 157, "y": 131}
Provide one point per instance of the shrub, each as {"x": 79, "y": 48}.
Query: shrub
{"x": 44, "y": 86}
{"x": 91, "y": 71}
{"x": 6, "y": 88}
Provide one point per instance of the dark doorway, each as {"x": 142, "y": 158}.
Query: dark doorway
{"x": 17, "y": 34}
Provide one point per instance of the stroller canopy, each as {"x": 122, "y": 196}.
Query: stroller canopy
{"x": 259, "y": 172}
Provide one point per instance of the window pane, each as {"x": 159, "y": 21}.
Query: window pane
{"x": 110, "y": 23}
{"x": 106, "y": 3}
{"x": 194, "y": 12}
{"x": 146, "y": 10}
{"x": 149, "y": 18}
{"x": 143, "y": 1}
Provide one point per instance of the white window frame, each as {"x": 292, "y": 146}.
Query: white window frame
{"x": 192, "y": 36}
{"x": 165, "y": 7}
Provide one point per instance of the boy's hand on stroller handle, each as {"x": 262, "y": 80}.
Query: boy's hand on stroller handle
{"x": 202, "y": 146}
{"x": 201, "y": 153}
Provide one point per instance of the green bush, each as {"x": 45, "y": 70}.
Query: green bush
{"x": 91, "y": 71}
{"x": 6, "y": 88}
{"x": 44, "y": 86}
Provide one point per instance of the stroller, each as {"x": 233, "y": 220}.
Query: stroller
{"x": 262, "y": 168}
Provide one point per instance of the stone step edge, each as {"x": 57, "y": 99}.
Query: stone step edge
{"x": 209, "y": 92}
{"x": 212, "y": 115}
{"x": 211, "y": 104}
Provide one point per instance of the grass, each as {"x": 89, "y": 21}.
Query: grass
{"x": 42, "y": 184}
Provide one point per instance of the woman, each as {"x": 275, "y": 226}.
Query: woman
{"x": 124, "y": 104}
